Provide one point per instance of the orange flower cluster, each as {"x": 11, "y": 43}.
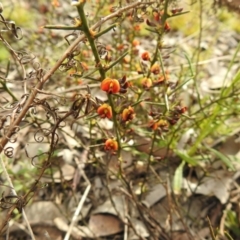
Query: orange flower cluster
{"x": 111, "y": 145}
{"x": 105, "y": 111}
{"x": 157, "y": 21}
{"x": 128, "y": 114}
{"x": 110, "y": 85}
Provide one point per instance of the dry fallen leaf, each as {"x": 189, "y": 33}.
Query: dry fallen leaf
{"x": 154, "y": 195}
{"x": 67, "y": 172}
{"x": 216, "y": 183}
{"x": 105, "y": 224}
{"x": 107, "y": 207}
{"x": 140, "y": 228}
{"x": 42, "y": 211}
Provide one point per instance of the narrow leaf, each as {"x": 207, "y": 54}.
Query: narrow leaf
{"x": 222, "y": 157}
{"x": 186, "y": 158}
{"x": 178, "y": 178}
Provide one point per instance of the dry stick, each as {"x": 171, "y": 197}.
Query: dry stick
{"x": 80, "y": 205}
{"x": 14, "y": 192}
{"x": 223, "y": 219}
{"x": 41, "y": 83}
{"x": 126, "y": 210}
{"x": 79, "y": 208}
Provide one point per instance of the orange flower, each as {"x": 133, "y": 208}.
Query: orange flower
{"x": 105, "y": 111}
{"x": 162, "y": 79}
{"x": 55, "y": 3}
{"x": 111, "y": 145}
{"x": 146, "y": 82}
{"x": 128, "y": 114}
{"x": 155, "y": 69}
{"x": 153, "y": 125}
{"x": 120, "y": 47}
{"x": 162, "y": 124}
{"x": 135, "y": 43}
{"x": 145, "y": 56}
{"x": 137, "y": 27}
{"x": 110, "y": 85}
{"x": 156, "y": 16}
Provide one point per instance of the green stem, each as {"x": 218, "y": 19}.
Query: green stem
{"x": 117, "y": 61}
{"x": 99, "y": 34}
{"x": 90, "y": 36}
{"x": 149, "y": 160}
{"x": 115, "y": 123}
{"x": 5, "y": 87}
{"x": 165, "y": 85}
{"x": 63, "y": 27}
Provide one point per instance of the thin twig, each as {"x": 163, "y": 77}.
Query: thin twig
{"x": 14, "y": 192}
{"x": 85, "y": 194}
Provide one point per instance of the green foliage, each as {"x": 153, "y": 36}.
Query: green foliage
{"x": 232, "y": 223}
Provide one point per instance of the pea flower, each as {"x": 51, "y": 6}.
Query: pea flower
{"x": 146, "y": 82}
{"x": 111, "y": 145}
{"x": 105, "y": 111}
{"x": 110, "y": 85}
{"x": 145, "y": 56}
{"x": 128, "y": 114}
{"x": 160, "y": 124}
{"x": 155, "y": 69}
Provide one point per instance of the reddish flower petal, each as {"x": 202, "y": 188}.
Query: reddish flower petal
{"x": 167, "y": 27}
{"x": 145, "y": 56}
{"x": 128, "y": 114}
{"x": 111, "y": 145}
{"x": 146, "y": 82}
{"x": 155, "y": 69}
{"x": 105, "y": 111}
{"x": 110, "y": 85}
